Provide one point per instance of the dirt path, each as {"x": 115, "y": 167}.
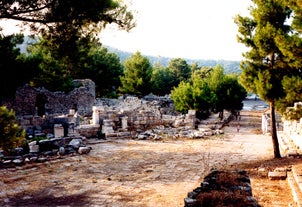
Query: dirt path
{"x": 119, "y": 173}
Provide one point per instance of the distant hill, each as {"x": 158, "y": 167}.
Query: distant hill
{"x": 229, "y": 66}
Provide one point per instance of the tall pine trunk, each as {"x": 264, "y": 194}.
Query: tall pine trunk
{"x": 274, "y": 131}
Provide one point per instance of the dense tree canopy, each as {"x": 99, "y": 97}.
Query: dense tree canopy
{"x": 64, "y": 22}
{"x": 102, "y": 67}
{"x": 209, "y": 89}
{"x": 180, "y": 70}
{"x": 162, "y": 80}
{"x": 66, "y": 32}
{"x": 52, "y": 14}
{"x": 229, "y": 94}
{"x": 11, "y": 69}
{"x": 56, "y": 73}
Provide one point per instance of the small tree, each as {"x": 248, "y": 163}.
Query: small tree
{"x": 183, "y": 97}
{"x": 137, "y": 75}
{"x": 209, "y": 90}
{"x": 195, "y": 94}
{"x": 229, "y": 94}
{"x": 11, "y": 135}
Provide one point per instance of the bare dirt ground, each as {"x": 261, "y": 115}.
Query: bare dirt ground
{"x": 135, "y": 173}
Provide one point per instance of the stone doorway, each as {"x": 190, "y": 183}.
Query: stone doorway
{"x": 41, "y": 100}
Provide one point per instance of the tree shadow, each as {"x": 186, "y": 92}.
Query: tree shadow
{"x": 42, "y": 198}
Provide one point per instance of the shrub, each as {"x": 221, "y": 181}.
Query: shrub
{"x": 11, "y": 134}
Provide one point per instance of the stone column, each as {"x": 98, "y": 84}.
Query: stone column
{"x": 191, "y": 119}
{"x": 95, "y": 115}
{"x": 124, "y": 122}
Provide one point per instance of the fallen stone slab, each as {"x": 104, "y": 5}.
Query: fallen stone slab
{"x": 277, "y": 175}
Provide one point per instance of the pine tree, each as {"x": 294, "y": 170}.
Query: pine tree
{"x": 137, "y": 75}
{"x": 265, "y": 65}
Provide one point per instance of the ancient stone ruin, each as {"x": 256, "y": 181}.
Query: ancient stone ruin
{"x": 292, "y": 129}
{"x": 41, "y": 113}
{"x": 59, "y": 123}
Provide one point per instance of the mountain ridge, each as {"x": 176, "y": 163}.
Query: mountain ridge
{"x": 230, "y": 66}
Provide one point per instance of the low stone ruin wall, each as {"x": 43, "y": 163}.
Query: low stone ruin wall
{"x": 223, "y": 188}
{"x": 131, "y": 115}
{"x": 293, "y": 128}
{"x": 45, "y": 150}
{"x": 128, "y": 117}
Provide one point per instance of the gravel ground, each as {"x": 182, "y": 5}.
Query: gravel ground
{"x": 135, "y": 173}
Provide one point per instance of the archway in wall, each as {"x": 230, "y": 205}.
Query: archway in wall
{"x": 41, "y": 100}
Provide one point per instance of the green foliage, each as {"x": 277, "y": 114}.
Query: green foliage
{"x": 66, "y": 29}
{"x": 165, "y": 78}
{"x": 229, "y": 94}
{"x": 272, "y": 68}
{"x": 137, "y": 75}
{"x": 266, "y": 63}
{"x": 64, "y": 18}
{"x": 209, "y": 90}
{"x": 11, "y": 135}
{"x": 183, "y": 97}
{"x": 162, "y": 80}
{"x": 52, "y": 71}
{"x": 102, "y": 67}
{"x": 293, "y": 113}
{"x": 180, "y": 70}
{"x": 292, "y": 86}
{"x": 56, "y": 72}
{"x": 229, "y": 66}
{"x": 11, "y": 69}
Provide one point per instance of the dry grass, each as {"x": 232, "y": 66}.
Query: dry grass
{"x": 223, "y": 190}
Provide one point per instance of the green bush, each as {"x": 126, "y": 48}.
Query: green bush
{"x": 11, "y": 134}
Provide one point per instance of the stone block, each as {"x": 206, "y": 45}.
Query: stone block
{"x": 277, "y": 175}
{"x": 58, "y": 130}
{"x": 262, "y": 172}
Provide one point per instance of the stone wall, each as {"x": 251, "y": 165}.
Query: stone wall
{"x": 40, "y": 101}
{"x": 293, "y": 128}
{"x": 130, "y": 114}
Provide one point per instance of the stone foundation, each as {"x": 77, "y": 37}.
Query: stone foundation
{"x": 223, "y": 188}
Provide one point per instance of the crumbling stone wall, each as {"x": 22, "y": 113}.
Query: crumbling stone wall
{"x": 39, "y": 110}
{"x": 133, "y": 114}
{"x": 30, "y": 101}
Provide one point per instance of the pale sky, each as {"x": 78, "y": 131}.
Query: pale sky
{"x": 197, "y": 29}
{"x": 194, "y": 29}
